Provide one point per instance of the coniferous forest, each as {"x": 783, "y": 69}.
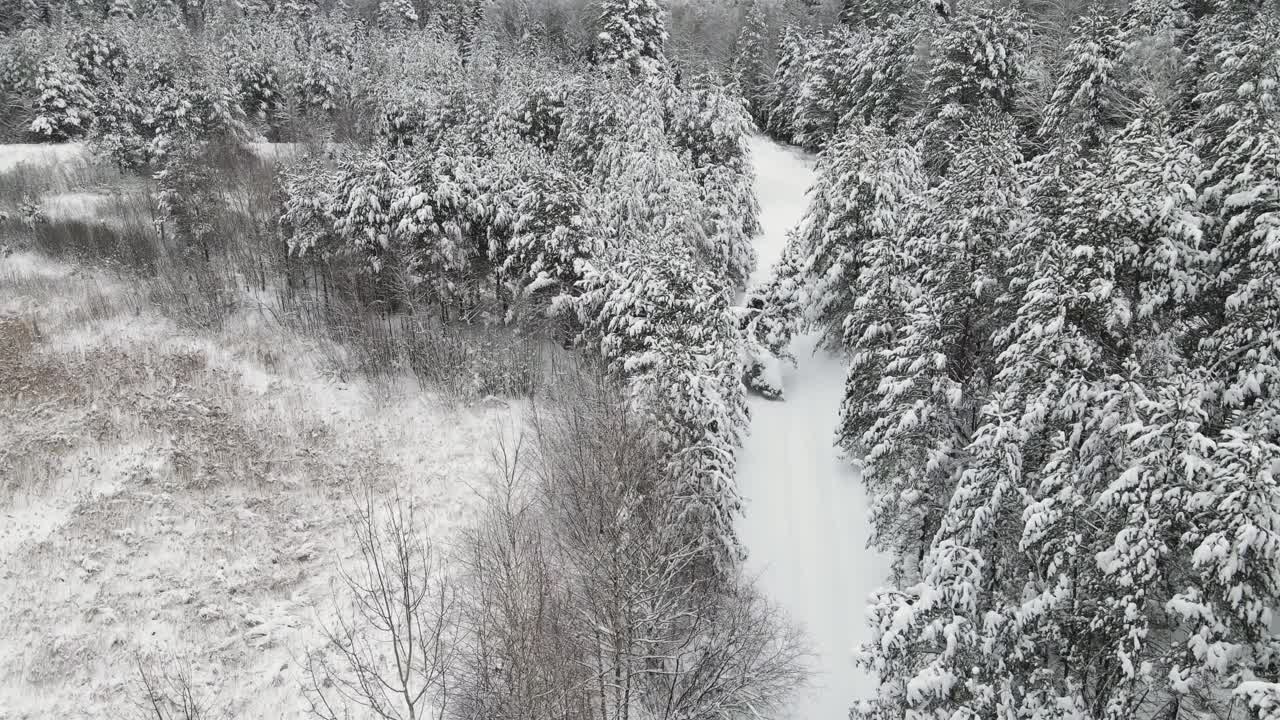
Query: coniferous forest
{"x": 1042, "y": 241}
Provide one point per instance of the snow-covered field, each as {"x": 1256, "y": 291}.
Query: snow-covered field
{"x": 806, "y": 521}
{"x": 180, "y": 494}
{"x": 38, "y": 154}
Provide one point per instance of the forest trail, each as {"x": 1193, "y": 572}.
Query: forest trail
{"x": 805, "y": 524}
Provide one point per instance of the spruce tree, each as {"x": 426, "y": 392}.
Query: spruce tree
{"x": 550, "y": 242}
{"x": 463, "y": 20}
{"x": 1090, "y": 98}
{"x": 397, "y": 15}
{"x": 785, "y": 84}
{"x": 632, "y": 35}
{"x": 977, "y": 59}
{"x": 64, "y": 104}
{"x": 864, "y": 77}
{"x": 1042, "y": 585}
{"x": 751, "y": 62}
{"x": 928, "y": 296}
{"x": 775, "y": 313}
{"x": 121, "y": 10}
{"x": 98, "y": 58}
{"x": 664, "y": 322}
{"x": 867, "y": 181}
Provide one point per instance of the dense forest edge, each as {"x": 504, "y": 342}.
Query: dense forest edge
{"x": 1044, "y": 236}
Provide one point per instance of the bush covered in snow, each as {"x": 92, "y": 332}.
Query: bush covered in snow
{"x": 64, "y": 105}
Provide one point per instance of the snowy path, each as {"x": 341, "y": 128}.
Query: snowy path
{"x": 806, "y": 517}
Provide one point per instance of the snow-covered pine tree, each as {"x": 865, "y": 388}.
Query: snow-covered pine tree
{"x": 255, "y": 79}
{"x": 464, "y": 21}
{"x": 169, "y": 11}
{"x": 751, "y": 62}
{"x": 121, "y": 10}
{"x": 550, "y": 238}
{"x": 1090, "y": 98}
{"x": 81, "y": 11}
{"x": 328, "y": 65}
{"x": 187, "y": 198}
{"x": 645, "y": 186}
{"x": 731, "y": 222}
{"x": 864, "y": 77}
{"x": 63, "y": 106}
{"x": 99, "y": 58}
{"x": 366, "y": 186}
{"x": 452, "y": 217}
{"x": 774, "y": 313}
{"x": 182, "y": 107}
{"x": 873, "y": 13}
{"x": 710, "y": 127}
{"x": 825, "y": 93}
{"x": 655, "y": 306}
{"x": 542, "y": 115}
{"x": 35, "y": 13}
{"x": 978, "y": 58}
{"x": 604, "y": 111}
{"x": 664, "y": 323}
{"x": 13, "y": 15}
{"x": 1109, "y": 452}
{"x": 298, "y": 11}
{"x": 1088, "y": 463}
{"x": 886, "y": 82}
{"x": 784, "y": 86}
{"x": 403, "y": 121}
{"x": 851, "y": 12}
{"x": 632, "y": 35}
{"x": 867, "y": 182}
{"x": 1239, "y": 133}
{"x": 256, "y": 8}
{"x": 307, "y": 219}
{"x": 397, "y": 15}
{"x": 927, "y": 298}
{"x": 1042, "y": 592}
{"x": 1233, "y": 637}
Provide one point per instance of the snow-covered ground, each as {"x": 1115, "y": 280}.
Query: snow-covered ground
{"x": 806, "y": 516}
{"x": 180, "y": 493}
{"x": 37, "y": 154}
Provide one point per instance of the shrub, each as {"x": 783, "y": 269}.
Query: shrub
{"x": 63, "y": 106}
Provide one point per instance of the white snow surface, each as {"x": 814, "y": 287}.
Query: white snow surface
{"x": 806, "y": 520}
{"x": 38, "y": 154}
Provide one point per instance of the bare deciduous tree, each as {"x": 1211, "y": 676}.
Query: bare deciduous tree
{"x": 519, "y": 659}
{"x": 391, "y": 646}
{"x": 583, "y": 604}
{"x": 662, "y": 636}
{"x": 166, "y": 691}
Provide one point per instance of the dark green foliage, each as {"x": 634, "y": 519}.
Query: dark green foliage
{"x": 258, "y": 88}
{"x": 751, "y": 62}
{"x": 541, "y": 117}
{"x": 98, "y": 58}
{"x": 63, "y": 105}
